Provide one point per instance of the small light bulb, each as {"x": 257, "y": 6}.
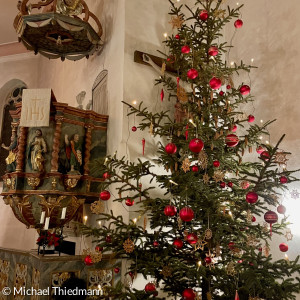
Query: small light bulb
{"x": 192, "y": 122}
{"x": 134, "y": 220}
{"x": 260, "y": 137}
{"x": 230, "y": 213}
{"x": 232, "y": 63}
{"x": 261, "y": 121}
{"x": 252, "y": 60}
{"x": 237, "y": 3}
{"x": 100, "y": 223}
{"x": 178, "y": 0}
{"x": 267, "y": 142}
{"x": 85, "y": 219}
{"x": 199, "y": 263}
{"x": 171, "y": 181}
{"x": 134, "y": 102}
{"x": 228, "y": 101}
{"x": 165, "y": 35}
{"x": 286, "y": 257}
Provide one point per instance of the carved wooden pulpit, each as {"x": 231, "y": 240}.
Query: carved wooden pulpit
{"x": 53, "y": 160}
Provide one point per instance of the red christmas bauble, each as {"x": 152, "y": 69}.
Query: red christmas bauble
{"x": 230, "y": 184}
{"x": 170, "y": 211}
{"x": 253, "y": 219}
{"x": 98, "y": 249}
{"x": 283, "y": 179}
{"x": 129, "y": 202}
{"x": 117, "y": 270}
{"x": 221, "y": 93}
{"x": 196, "y": 145}
{"x": 240, "y": 261}
{"x": 133, "y": 128}
{"x": 260, "y": 150}
{"x": 215, "y": 83}
{"x": 192, "y": 238}
{"x": 251, "y": 197}
{"x": 185, "y": 49}
{"x": 195, "y": 169}
{"x": 231, "y": 140}
{"x": 231, "y": 245}
{"x": 260, "y": 249}
{"x": 245, "y": 89}
{"x": 265, "y": 155}
{"x": 177, "y": 37}
{"x": 234, "y": 128}
{"x": 281, "y": 209}
{"x": 228, "y": 87}
{"x": 222, "y": 185}
{"x": 238, "y": 23}
{"x": 150, "y": 287}
{"x": 207, "y": 260}
{"x": 108, "y": 239}
{"x": 178, "y": 243}
{"x": 216, "y": 164}
{"x": 171, "y": 148}
{"x": 203, "y": 15}
{"x": 106, "y": 175}
{"x": 155, "y": 244}
{"x": 88, "y": 261}
{"x": 271, "y": 217}
{"x": 251, "y": 119}
{"x": 131, "y": 274}
{"x": 105, "y": 195}
{"x": 186, "y": 214}
{"x": 192, "y": 74}
{"x": 188, "y": 294}
{"x": 213, "y": 51}
{"x": 283, "y": 247}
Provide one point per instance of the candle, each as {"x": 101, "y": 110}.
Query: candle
{"x": 43, "y": 217}
{"x": 47, "y": 223}
{"x": 85, "y": 220}
{"x": 63, "y": 213}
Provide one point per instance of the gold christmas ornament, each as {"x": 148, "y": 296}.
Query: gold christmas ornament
{"x": 288, "y": 234}
{"x": 145, "y": 223}
{"x": 220, "y": 13}
{"x": 230, "y": 269}
{"x": 280, "y": 158}
{"x": 208, "y": 234}
{"x": 128, "y": 246}
{"x": 151, "y": 131}
{"x": 186, "y": 165}
{"x": 203, "y": 160}
{"x": 95, "y": 255}
{"x": 163, "y": 69}
{"x": 266, "y": 250}
{"x": 176, "y": 22}
{"x": 206, "y": 178}
{"x": 218, "y": 176}
{"x": 249, "y": 216}
{"x": 97, "y": 207}
{"x": 185, "y": 234}
{"x": 182, "y": 95}
{"x": 200, "y": 245}
{"x": 166, "y": 271}
{"x": 179, "y": 221}
{"x": 252, "y": 240}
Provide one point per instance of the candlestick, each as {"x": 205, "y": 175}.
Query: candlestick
{"x": 47, "y": 223}
{"x": 43, "y": 217}
{"x": 63, "y": 213}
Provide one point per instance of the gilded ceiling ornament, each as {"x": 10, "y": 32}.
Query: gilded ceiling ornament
{"x": 176, "y": 22}
{"x": 218, "y": 176}
{"x": 186, "y": 165}
{"x": 128, "y": 246}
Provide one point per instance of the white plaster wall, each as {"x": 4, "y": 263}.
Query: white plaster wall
{"x": 270, "y": 36}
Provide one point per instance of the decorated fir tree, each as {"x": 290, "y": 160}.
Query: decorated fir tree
{"x": 204, "y": 237}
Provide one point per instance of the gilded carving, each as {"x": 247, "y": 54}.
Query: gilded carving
{"x": 4, "y": 274}
{"x": 35, "y": 282}
{"x": 20, "y": 279}
{"x": 34, "y": 182}
{"x": 71, "y": 183}
{"x": 100, "y": 279}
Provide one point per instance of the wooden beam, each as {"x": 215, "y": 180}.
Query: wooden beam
{"x": 138, "y": 58}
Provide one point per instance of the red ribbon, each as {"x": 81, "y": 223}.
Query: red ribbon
{"x": 187, "y": 132}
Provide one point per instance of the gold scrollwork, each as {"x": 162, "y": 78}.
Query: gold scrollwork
{"x": 10, "y": 183}
{"x": 33, "y": 182}
{"x": 71, "y": 183}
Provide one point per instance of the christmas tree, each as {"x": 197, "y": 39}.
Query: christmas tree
{"x": 206, "y": 234}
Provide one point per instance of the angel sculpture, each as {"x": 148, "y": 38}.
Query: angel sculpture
{"x": 74, "y": 153}
{"x": 13, "y": 149}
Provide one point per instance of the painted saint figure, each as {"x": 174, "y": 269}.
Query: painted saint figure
{"x": 12, "y": 156}
{"x": 37, "y": 148}
{"x": 74, "y": 153}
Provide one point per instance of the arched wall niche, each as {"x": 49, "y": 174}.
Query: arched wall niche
{"x": 10, "y": 93}
{"x": 100, "y": 93}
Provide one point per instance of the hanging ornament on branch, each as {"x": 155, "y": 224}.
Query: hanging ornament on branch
{"x": 162, "y": 95}
{"x": 177, "y": 22}
{"x": 143, "y": 143}
{"x": 271, "y": 217}
{"x": 186, "y": 164}
{"x": 128, "y": 246}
